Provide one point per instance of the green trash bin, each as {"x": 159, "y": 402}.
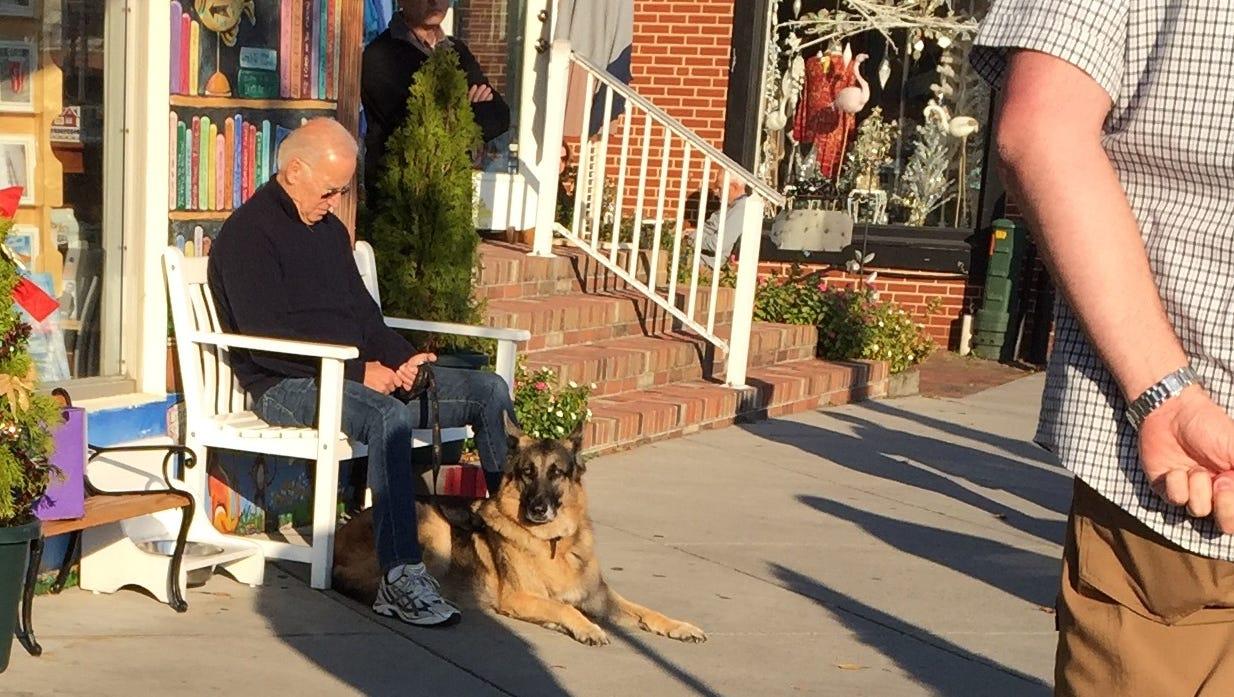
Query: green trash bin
{"x": 992, "y": 324}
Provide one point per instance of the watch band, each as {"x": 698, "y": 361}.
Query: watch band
{"x": 1164, "y": 389}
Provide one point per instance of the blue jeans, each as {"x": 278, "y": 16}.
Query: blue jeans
{"x": 383, "y": 423}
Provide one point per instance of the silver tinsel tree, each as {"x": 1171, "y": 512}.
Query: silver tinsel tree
{"x": 925, "y": 185}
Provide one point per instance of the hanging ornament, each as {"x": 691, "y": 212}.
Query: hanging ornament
{"x": 884, "y": 73}
{"x": 796, "y": 8}
{"x": 943, "y": 41}
{"x": 848, "y": 54}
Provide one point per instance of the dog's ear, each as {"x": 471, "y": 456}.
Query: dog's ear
{"x": 514, "y": 435}
{"x": 574, "y": 443}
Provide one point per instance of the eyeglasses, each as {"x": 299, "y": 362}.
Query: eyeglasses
{"x": 336, "y": 191}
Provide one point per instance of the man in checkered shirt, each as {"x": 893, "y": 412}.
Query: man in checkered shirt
{"x": 1116, "y": 135}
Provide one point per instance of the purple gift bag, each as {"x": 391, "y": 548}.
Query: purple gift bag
{"x": 66, "y": 498}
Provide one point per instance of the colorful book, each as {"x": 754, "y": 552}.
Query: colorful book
{"x": 306, "y": 49}
{"x": 176, "y": 11}
{"x": 259, "y": 160}
{"x": 215, "y": 180}
{"x": 195, "y": 165}
{"x": 172, "y": 143}
{"x": 222, "y": 182}
{"x": 323, "y": 35}
{"x": 206, "y": 195}
{"x": 250, "y": 141}
{"x": 182, "y": 169}
{"x": 229, "y": 160}
{"x": 198, "y": 237}
{"x": 266, "y": 160}
{"x": 194, "y": 58}
{"x": 237, "y": 162}
{"x": 182, "y": 60}
{"x": 284, "y": 50}
{"x": 336, "y": 24}
{"x": 296, "y": 50}
{"x": 314, "y": 51}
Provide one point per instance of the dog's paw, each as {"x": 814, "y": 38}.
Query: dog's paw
{"x": 684, "y": 631}
{"x": 591, "y": 635}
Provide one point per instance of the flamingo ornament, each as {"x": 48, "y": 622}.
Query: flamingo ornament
{"x": 849, "y": 101}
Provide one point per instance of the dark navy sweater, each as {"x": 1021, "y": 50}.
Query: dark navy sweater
{"x": 274, "y": 276}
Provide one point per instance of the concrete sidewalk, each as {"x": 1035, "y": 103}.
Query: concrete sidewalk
{"x": 904, "y": 547}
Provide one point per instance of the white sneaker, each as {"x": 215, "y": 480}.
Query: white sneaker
{"x": 409, "y": 593}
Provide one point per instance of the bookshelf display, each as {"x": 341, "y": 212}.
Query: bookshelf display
{"x": 245, "y": 73}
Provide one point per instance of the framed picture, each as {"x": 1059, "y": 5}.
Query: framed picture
{"x": 18, "y": 60}
{"x": 23, "y": 242}
{"x": 17, "y": 155}
{"x": 17, "y": 8}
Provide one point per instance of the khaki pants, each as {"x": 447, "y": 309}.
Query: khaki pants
{"x": 1137, "y": 615}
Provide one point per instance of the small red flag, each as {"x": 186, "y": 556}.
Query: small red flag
{"x": 9, "y": 198}
{"x": 34, "y": 300}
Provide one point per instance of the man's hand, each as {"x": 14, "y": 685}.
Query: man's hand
{"x": 480, "y": 93}
{"x": 1187, "y": 451}
{"x": 407, "y": 372}
{"x": 380, "y": 378}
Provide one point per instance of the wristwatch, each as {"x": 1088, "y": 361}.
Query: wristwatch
{"x": 1165, "y": 388}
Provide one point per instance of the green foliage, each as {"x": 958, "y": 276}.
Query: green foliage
{"x": 856, "y": 324}
{"x": 793, "y": 299}
{"x": 852, "y": 322}
{"x": 26, "y": 418}
{"x": 544, "y": 408}
{"x": 422, "y": 228}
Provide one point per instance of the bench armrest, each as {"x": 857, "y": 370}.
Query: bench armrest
{"x": 286, "y": 346}
{"x": 419, "y": 325}
{"x": 190, "y": 460}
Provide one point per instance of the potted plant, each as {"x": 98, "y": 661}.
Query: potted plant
{"x": 26, "y": 422}
{"x": 422, "y": 228}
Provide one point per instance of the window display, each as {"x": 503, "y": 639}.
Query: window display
{"x": 870, "y": 108}
{"x": 61, "y": 140}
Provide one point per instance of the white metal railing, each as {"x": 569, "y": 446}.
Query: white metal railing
{"x": 673, "y": 282}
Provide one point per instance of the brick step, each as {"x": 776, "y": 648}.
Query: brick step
{"x": 508, "y": 273}
{"x": 639, "y": 362}
{"x": 656, "y": 413}
{"x": 581, "y": 318}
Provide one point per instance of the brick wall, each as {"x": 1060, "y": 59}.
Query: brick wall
{"x": 483, "y": 27}
{"x": 680, "y": 63}
{"x": 935, "y": 300}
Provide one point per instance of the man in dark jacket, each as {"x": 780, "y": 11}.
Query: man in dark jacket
{"x": 391, "y": 61}
{"x": 282, "y": 267}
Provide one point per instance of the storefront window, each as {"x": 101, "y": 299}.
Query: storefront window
{"x": 493, "y": 30}
{"x": 874, "y": 111}
{"x": 61, "y": 138}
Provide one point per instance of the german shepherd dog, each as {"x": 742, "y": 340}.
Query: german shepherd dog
{"x": 527, "y": 552}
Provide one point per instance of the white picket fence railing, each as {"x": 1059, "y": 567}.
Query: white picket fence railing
{"x": 598, "y": 214}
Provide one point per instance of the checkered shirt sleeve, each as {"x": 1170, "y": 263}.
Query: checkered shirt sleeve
{"x": 1089, "y": 34}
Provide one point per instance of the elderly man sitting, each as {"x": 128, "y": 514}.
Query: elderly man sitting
{"x": 282, "y": 267}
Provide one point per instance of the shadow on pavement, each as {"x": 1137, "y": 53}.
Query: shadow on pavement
{"x": 933, "y": 465}
{"x": 936, "y": 663}
{"x": 395, "y": 659}
{"x": 1030, "y": 576}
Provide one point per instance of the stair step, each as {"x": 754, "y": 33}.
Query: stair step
{"x": 655, "y": 413}
{"x": 637, "y": 362}
{"x": 582, "y": 318}
{"x": 507, "y": 272}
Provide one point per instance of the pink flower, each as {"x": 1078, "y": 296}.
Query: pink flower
{"x": 541, "y": 386}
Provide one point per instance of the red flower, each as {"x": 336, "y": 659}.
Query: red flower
{"x": 541, "y": 386}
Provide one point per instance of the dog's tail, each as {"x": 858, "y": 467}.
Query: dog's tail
{"x": 358, "y": 584}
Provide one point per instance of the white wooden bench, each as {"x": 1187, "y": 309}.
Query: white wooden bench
{"x": 218, "y": 415}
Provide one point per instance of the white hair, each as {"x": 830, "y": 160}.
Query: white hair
{"x": 316, "y": 139}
